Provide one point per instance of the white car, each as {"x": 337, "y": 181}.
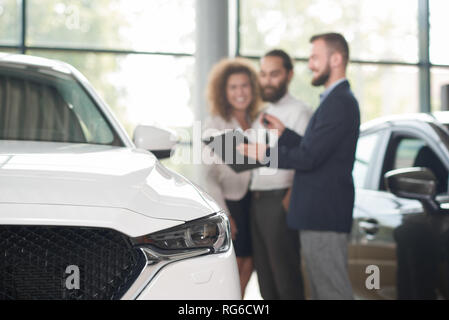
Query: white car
{"x": 87, "y": 214}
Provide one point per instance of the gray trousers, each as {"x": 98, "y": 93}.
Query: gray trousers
{"x": 325, "y": 255}
{"x": 275, "y": 248}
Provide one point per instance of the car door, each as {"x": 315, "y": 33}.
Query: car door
{"x": 376, "y": 213}
{"x": 394, "y": 234}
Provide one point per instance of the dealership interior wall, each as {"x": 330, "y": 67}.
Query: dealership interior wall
{"x": 150, "y": 59}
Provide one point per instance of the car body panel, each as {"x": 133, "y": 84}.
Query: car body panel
{"x": 96, "y": 176}
{"x": 380, "y": 219}
{"x": 125, "y": 221}
{"x": 210, "y": 276}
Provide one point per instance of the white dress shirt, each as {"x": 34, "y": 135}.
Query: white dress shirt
{"x": 295, "y": 115}
{"x": 218, "y": 179}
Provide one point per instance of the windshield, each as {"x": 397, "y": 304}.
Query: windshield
{"x": 40, "y": 104}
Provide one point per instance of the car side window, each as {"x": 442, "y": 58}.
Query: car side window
{"x": 363, "y": 157}
{"x": 408, "y": 151}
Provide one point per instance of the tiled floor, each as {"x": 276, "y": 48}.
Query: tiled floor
{"x": 253, "y": 293}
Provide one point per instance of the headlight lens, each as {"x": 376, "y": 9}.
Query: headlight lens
{"x": 211, "y": 232}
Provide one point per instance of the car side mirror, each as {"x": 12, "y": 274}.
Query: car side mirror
{"x": 159, "y": 141}
{"x": 417, "y": 183}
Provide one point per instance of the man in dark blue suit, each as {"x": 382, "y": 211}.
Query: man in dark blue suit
{"x": 322, "y": 197}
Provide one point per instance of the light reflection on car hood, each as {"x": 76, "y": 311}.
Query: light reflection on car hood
{"x": 98, "y": 176}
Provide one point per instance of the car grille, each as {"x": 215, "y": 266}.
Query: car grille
{"x": 40, "y": 262}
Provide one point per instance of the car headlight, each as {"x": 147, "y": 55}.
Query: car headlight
{"x": 211, "y": 232}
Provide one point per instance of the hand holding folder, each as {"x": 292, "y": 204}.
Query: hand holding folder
{"x": 225, "y": 145}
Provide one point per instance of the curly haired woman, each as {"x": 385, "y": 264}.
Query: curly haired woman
{"x": 234, "y": 100}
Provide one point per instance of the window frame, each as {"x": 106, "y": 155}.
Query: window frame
{"x": 424, "y": 64}
{"x": 396, "y": 135}
{"x": 23, "y": 48}
{"x": 374, "y": 156}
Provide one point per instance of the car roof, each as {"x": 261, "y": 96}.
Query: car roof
{"x": 438, "y": 118}
{"x": 12, "y": 59}
{"x": 442, "y": 116}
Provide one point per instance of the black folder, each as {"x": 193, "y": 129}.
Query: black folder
{"x": 224, "y": 145}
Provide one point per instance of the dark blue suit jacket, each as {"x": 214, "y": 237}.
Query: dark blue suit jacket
{"x": 322, "y": 197}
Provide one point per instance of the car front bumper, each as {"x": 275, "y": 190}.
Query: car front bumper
{"x": 208, "y": 277}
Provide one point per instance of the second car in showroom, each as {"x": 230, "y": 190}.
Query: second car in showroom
{"x": 400, "y": 233}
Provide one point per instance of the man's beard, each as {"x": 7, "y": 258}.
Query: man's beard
{"x": 322, "y": 78}
{"x": 277, "y": 92}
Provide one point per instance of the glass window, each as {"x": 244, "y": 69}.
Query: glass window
{"x": 113, "y": 24}
{"x": 384, "y": 90}
{"x": 10, "y": 26}
{"x": 439, "y": 50}
{"x": 439, "y": 77}
{"x": 375, "y": 87}
{"x": 9, "y": 50}
{"x": 141, "y": 89}
{"x": 363, "y": 156}
{"x": 406, "y": 152}
{"x": 414, "y": 152}
{"x": 374, "y": 29}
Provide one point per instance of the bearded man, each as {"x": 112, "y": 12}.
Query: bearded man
{"x": 322, "y": 198}
{"x": 275, "y": 246}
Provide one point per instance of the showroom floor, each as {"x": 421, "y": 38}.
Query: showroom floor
{"x": 252, "y": 289}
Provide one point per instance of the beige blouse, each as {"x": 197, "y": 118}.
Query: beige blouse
{"x": 218, "y": 179}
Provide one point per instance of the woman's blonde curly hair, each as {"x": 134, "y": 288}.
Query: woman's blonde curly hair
{"x": 216, "y": 89}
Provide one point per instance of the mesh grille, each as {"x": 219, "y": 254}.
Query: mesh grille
{"x": 34, "y": 263}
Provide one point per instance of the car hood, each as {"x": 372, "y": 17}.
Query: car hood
{"x": 98, "y": 176}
